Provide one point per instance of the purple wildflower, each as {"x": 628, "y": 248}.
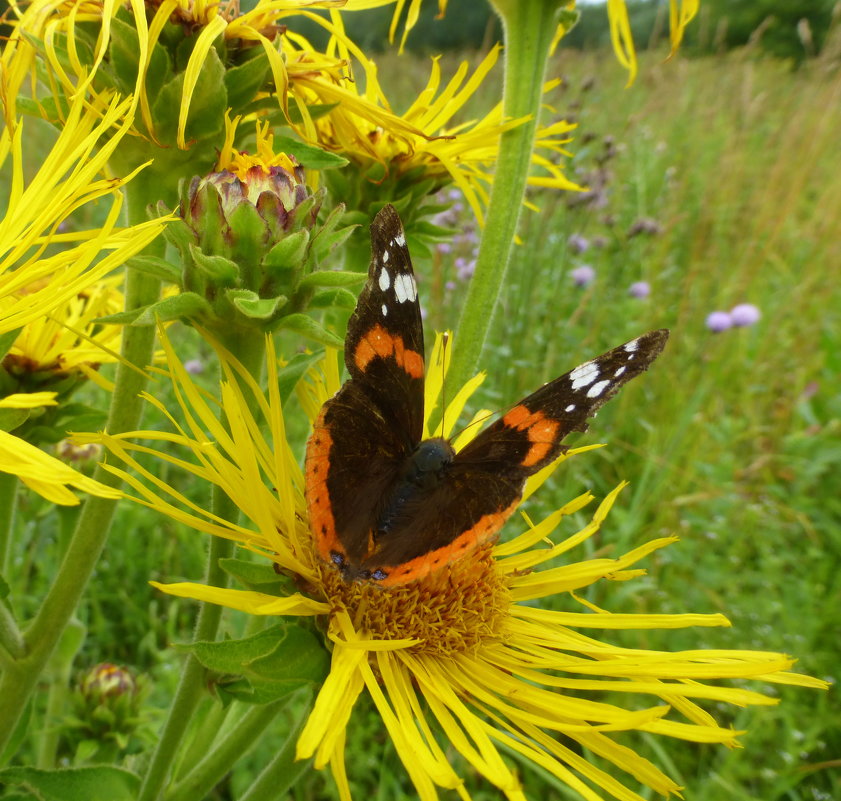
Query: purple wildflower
{"x": 443, "y": 247}
{"x": 719, "y": 321}
{"x": 450, "y": 286}
{"x": 583, "y": 276}
{"x": 194, "y": 366}
{"x": 744, "y": 314}
{"x": 645, "y": 225}
{"x": 639, "y": 289}
{"x": 577, "y": 243}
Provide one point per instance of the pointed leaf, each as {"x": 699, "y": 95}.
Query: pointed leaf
{"x": 253, "y": 306}
{"x": 156, "y": 267}
{"x": 7, "y": 340}
{"x": 333, "y": 299}
{"x": 309, "y": 328}
{"x": 102, "y": 783}
{"x": 333, "y": 278}
{"x": 289, "y": 375}
{"x": 218, "y": 270}
{"x": 246, "y": 79}
{"x": 310, "y": 156}
{"x": 255, "y": 575}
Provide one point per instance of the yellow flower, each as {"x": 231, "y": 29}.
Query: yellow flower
{"x": 68, "y": 178}
{"x": 68, "y": 340}
{"x": 55, "y": 24}
{"x": 33, "y": 284}
{"x": 467, "y": 649}
{"x": 423, "y": 143}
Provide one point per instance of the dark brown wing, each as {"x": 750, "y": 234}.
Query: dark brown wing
{"x": 484, "y": 483}
{"x": 365, "y": 432}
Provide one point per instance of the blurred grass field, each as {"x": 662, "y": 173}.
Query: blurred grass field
{"x": 732, "y": 441}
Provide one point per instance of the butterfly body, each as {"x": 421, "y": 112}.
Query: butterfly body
{"x": 388, "y": 507}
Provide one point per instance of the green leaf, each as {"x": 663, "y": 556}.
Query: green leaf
{"x": 310, "y": 156}
{"x": 333, "y": 278}
{"x": 327, "y": 242}
{"x": 156, "y": 267}
{"x": 207, "y": 105}
{"x": 289, "y": 252}
{"x": 217, "y": 269}
{"x": 103, "y": 783}
{"x": 309, "y": 328}
{"x": 333, "y": 299}
{"x": 246, "y": 79}
{"x": 125, "y": 51}
{"x": 10, "y": 419}
{"x": 259, "y": 692}
{"x": 289, "y": 376}
{"x": 183, "y": 305}
{"x": 7, "y": 340}
{"x": 279, "y": 653}
{"x": 255, "y": 576}
{"x": 253, "y": 306}
{"x": 4, "y": 587}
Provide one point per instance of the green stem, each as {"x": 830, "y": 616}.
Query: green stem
{"x": 209, "y": 771}
{"x": 249, "y": 348}
{"x": 8, "y": 497}
{"x": 283, "y": 771}
{"x": 19, "y": 681}
{"x": 529, "y": 27}
{"x": 11, "y": 640}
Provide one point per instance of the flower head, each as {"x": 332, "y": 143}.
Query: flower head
{"x": 719, "y": 321}
{"x": 465, "y": 650}
{"x": 639, "y": 289}
{"x": 745, "y": 314}
{"x": 583, "y": 276}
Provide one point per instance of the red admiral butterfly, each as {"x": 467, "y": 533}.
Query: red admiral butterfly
{"x": 388, "y": 508}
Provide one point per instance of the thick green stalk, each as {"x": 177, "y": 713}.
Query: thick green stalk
{"x": 529, "y": 27}
{"x": 283, "y": 771}
{"x": 8, "y": 496}
{"x": 19, "y": 680}
{"x": 249, "y": 348}
{"x": 217, "y": 763}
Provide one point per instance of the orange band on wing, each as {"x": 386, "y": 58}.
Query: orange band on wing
{"x": 541, "y": 430}
{"x": 421, "y": 566}
{"x": 380, "y": 343}
{"x": 320, "y": 510}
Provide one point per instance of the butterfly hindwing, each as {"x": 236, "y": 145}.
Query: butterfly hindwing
{"x": 365, "y": 432}
{"x": 484, "y": 483}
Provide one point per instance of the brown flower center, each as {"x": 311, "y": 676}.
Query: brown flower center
{"x": 452, "y": 611}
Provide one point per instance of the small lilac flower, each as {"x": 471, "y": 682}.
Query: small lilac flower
{"x": 744, "y": 314}
{"x": 465, "y": 269}
{"x": 194, "y": 366}
{"x": 577, "y": 243}
{"x": 454, "y": 194}
{"x": 583, "y": 276}
{"x": 639, "y": 289}
{"x": 450, "y": 286}
{"x": 645, "y": 225}
{"x": 600, "y": 242}
{"x": 443, "y": 247}
{"x": 719, "y": 321}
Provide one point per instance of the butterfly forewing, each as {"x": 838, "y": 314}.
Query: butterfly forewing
{"x": 365, "y": 432}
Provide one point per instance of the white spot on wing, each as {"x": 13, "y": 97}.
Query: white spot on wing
{"x": 597, "y": 389}
{"x": 385, "y": 280}
{"x": 400, "y": 239}
{"x": 385, "y": 257}
{"x": 619, "y": 372}
{"x": 570, "y": 407}
{"x": 632, "y": 345}
{"x": 405, "y": 288}
{"x": 385, "y": 310}
{"x": 584, "y": 375}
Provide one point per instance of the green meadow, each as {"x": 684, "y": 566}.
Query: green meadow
{"x": 717, "y": 182}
